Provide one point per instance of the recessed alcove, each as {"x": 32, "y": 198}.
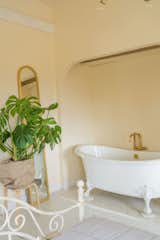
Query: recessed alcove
{"x": 104, "y": 101}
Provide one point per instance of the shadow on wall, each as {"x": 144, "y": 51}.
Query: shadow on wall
{"x": 74, "y": 165}
{"x": 76, "y": 118}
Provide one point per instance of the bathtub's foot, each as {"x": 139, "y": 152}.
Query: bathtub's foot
{"x": 87, "y": 193}
{"x": 147, "y": 199}
{"x": 147, "y": 210}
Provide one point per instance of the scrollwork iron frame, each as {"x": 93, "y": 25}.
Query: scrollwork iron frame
{"x": 14, "y": 220}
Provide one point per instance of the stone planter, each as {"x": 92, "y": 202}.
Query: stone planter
{"x": 17, "y": 174}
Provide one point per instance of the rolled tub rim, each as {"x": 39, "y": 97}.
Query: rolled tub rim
{"x": 131, "y": 161}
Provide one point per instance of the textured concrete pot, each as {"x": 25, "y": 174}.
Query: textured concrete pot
{"x": 17, "y": 174}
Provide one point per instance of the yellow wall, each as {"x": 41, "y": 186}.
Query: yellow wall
{"x": 19, "y": 46}
{"x": 104, "y": 102}
{"x": 84, "y": 32}
{"x": 76, "y": 119}
{"x": 34, "y": 8}
{"x": 126, "y": 99}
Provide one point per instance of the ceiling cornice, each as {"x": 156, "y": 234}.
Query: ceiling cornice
{"x": 28, "y": 21}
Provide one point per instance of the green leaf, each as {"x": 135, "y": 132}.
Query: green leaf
{"x": 52, "y": 107}
{"x": 23, "y": 136}
{"x": 49, "y": 121}
{"x": 4, "y": 136}
{"x": 3, "y": 148}
{"x": 58, "y": 129}
{"x": 11, "y": 99}
{"x": 25, "y": 128}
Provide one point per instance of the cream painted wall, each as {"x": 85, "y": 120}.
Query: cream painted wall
{"x": 126, "y": 99}
{"x": 84, "y": 32}
{"x": 33, "y": 8}
{"x": 76, "y": 112}
{"x": 20, "y": 46}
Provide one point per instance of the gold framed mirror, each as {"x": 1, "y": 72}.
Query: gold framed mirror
{"x": 28, "y": 85}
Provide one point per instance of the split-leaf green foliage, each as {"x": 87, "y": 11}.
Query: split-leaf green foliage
{"x": 26, "y": 127}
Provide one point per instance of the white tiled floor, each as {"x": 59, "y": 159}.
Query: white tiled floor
{"x": 104, "y": 229}
{"x": 115, "y": 207}
{"x": 106, "y": 205}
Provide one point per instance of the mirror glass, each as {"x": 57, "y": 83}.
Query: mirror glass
{"x": 28, "y": 85}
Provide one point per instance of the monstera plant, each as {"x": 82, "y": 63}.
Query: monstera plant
{"x": 25, "y": 128}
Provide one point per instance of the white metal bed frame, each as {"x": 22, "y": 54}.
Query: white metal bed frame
{"x": 14, "y": 220}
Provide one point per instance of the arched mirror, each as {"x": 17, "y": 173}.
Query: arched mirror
{"x": 28, "y": 85}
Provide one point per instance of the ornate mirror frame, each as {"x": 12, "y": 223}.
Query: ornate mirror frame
{"x": 30, "y": 197}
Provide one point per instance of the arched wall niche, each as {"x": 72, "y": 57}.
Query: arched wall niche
{"x": 104, "y": 103}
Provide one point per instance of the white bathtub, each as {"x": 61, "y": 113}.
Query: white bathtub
{"x": 117, "y": 171}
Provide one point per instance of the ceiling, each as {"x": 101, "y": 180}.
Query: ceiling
{"x": 49, "y": 3}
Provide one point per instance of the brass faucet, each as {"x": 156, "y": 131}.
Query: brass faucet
{"x": 136, "y": 138}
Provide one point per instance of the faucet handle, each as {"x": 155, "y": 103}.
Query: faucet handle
{"x": 137, "y": 141}
{"x": 130, "y": 137}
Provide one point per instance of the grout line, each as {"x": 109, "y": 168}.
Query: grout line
{"x": 134, "y": 221}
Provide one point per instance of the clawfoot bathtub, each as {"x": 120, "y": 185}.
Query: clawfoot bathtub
{"x": 125, "y": 172}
